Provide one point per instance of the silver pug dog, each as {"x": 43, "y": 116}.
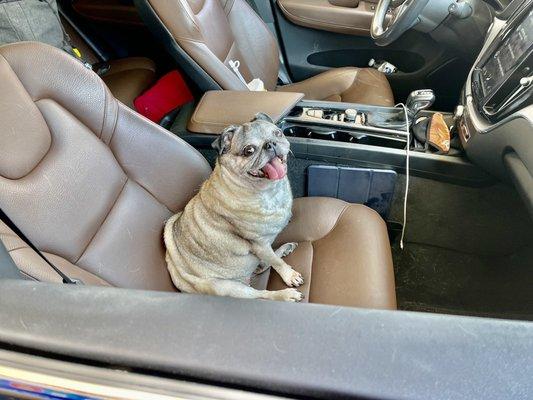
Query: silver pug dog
{"x": 225, "y": 232}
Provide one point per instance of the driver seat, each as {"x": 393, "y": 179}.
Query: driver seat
{"x": 204, "y": 35}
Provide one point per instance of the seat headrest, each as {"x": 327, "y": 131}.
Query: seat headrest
{"x": 25, "y": 138}
{"x": 46, "y": 72}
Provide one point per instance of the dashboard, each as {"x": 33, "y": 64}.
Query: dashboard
{"x": 497, "y": 77}
{"x": 514, "y": 47}
{"x": 495, "y": 116}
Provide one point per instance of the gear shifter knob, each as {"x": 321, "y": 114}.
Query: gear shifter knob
{"x": 419, "y": 100}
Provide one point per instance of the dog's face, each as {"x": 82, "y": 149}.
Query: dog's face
{"x": 256, "y": 151}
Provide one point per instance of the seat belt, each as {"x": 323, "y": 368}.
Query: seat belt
{"x": 15, "y": 228}
{"x": 8, "y": 269}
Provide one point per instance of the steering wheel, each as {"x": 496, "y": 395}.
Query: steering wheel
{"x": 403, "y": 15}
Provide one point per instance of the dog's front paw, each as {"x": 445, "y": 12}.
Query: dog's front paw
{"x": 290, "y": 295}
{"x": 292, "y": 277}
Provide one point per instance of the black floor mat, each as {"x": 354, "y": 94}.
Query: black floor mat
{"x": 440, "y": 280}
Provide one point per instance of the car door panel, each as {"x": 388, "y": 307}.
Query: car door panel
{"x": 352, "y": 17}
{"x": 421, "y": 61}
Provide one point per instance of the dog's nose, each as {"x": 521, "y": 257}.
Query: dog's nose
{"x": 269, "y": 145}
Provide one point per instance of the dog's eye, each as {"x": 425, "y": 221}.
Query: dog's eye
{"x": 247, "y": 151}
{"x": 278, "y": 133}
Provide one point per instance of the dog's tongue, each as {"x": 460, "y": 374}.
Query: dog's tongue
{"x": 275, "y": 169}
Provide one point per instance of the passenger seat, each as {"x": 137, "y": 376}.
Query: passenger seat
{"x": 91, "y": 184}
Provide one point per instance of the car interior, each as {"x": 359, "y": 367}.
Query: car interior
{"x": 411, "y": 167}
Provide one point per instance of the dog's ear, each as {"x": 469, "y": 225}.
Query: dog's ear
{"x": 223, "y": 142}
{"x": 262, "y": 117}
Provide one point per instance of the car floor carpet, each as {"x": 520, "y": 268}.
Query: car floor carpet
{"x": 440, "y": 280}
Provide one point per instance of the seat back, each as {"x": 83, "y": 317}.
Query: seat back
{"x": 213, "y": 32}
{"x": 89, "y": 181}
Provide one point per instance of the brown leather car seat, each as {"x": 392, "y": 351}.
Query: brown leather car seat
{"x": 213, "y": 32}
{"x": 128, "y": 77}
{"x": 91, "y": 182}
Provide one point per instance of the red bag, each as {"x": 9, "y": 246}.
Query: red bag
{"x": 167, "y": 94}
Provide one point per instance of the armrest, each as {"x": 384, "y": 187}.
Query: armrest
{"x": 218, "y": 109}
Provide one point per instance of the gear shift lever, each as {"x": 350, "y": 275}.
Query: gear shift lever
{"x": 419, "y": 100}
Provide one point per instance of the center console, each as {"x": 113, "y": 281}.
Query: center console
{"x": 336, "y": 133}
{"x": 345, "y": 122}
{"x": 359, "y": 123}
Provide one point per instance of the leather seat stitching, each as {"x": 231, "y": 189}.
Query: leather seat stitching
{"x": 332, "y": 76}
{"x": 335, "y": 74}
{"x": 34, "y": 102}
{"x": 105, "y": 110}
{"x": 191, "y": 15}
{"x": 207, "y": 47}
{"x": 186, "y": 39}
{"x": 114, "y": 128}
{"x": 234, "y": 43}
{"x": 28, "y": 275}
{"x": 40, "y": 161}
{"x": 36, "y": 165}
{"x": 104, "y": 219}
{"x": 152, "y": 195}
{"x": 8, "y": 234}
{"x": 18, "y": 248}
{"x": 312, "y": 242}
{"x": 311, "y": 269}
{"x": 336, "y": 223}
{"x": 340, "y": 217}
{"x": 352, "y": 85}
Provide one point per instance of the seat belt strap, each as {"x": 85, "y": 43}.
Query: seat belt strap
{"x": 15, "y": 228}
{"x": 8, "y": 269}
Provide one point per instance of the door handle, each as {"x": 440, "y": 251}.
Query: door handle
{"x": 344, "y": 3}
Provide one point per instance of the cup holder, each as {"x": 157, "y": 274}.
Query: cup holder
{"x": 338, "y": 136}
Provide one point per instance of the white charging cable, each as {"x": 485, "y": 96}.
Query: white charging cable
{"x": 406, "y": 172}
